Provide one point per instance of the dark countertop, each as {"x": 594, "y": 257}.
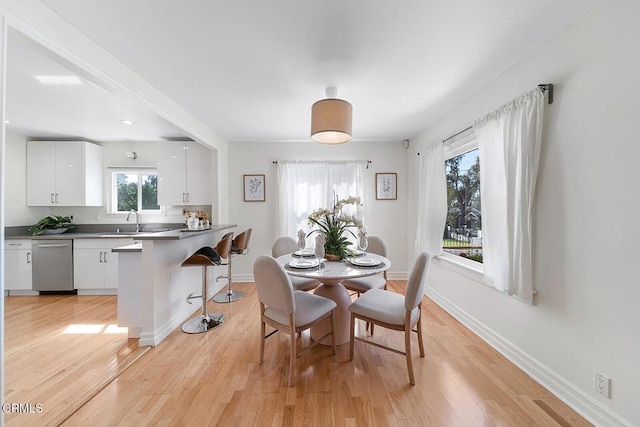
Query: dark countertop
{"x": 87, "y": 233}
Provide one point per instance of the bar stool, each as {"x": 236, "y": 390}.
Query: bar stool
{"x": 238, "y": 247}
{"x": 206, "y": 257}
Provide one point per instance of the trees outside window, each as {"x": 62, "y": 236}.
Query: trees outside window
{"x": 135, "y": 191}
{"x": 463, "y": 230}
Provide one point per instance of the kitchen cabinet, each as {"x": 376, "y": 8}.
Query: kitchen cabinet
{"x": 17, "y": 262}
{"x": 94, "y": 265}
{"x": 64, "y": 173}
{"x": 184, "y": 173}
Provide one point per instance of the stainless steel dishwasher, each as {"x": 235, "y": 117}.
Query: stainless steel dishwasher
{"x": 52, "y": 265}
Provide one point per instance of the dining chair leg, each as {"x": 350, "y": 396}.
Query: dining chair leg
{"x": 351, "y": 336}
{"x": 262, "y": 339}
{"x": 419, "y": 329}
{"x": 292, "y": 356}
{"x": 407, "y": 345}
{"x": 333, "y": 329}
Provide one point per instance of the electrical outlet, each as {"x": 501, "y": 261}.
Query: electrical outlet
{"x": 601, "y": 383}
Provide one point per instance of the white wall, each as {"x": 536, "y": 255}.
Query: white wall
{"x": 385, "y": 218}
{"x": 586, "y": 316}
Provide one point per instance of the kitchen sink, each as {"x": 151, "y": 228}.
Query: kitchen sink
{"x": 132, "y": 233}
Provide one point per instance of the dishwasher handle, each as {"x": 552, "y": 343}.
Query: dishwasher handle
{"x": 52, "y": 245}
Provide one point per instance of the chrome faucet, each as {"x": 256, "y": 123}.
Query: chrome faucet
{"x": 137, "y": 219}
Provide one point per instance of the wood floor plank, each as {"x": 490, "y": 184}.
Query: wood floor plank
{"x": 215, "y": 379}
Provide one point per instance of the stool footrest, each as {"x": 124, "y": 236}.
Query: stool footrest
{"x": 193, "y": 295}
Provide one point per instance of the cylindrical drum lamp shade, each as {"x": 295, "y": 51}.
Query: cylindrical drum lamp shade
{"x": 331, "y": 121}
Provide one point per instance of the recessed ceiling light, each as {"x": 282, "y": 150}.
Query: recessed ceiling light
{"x": 59, "y": 80}
{"x": 127, "y": 121}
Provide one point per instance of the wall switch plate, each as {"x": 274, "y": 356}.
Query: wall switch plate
{"x": 601, "y": 383}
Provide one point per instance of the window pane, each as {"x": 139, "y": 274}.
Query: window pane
{"x": 150, "y": 192}
{"x": 127, "y": 188}
{"x": 463, "y": 231}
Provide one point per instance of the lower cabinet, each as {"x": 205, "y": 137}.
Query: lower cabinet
{"x": 17, "y": 263}
{"x": 94, "y": 265}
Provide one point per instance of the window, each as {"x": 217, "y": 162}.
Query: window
{"x": 463, "y": 229}
{"x": 134, "y": 189}
{"x": 306, "y": 185}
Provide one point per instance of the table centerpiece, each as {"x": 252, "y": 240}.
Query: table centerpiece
{"x": 334, "y": 225}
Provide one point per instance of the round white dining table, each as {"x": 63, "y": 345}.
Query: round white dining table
{"x": 331, "y": 274}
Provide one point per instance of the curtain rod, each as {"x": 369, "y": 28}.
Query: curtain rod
{"x": 275, "y": 162}
{"x": 543, "y": 87}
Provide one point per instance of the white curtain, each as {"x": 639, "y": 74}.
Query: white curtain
{"x": 304, "y": 186}
{"x": 432, "y": 201}
{"x": 509, "y": 144}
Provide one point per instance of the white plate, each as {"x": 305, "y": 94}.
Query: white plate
{"x": 365, "y": 262}
{"x": 303, "y": 263}
{"x": 304, "y": 253}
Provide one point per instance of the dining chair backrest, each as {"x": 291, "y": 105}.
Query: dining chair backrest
{"x": 224, "y": 246}
{"x": 274, "y": 286}
{"x": 377, "y": 246}
{"x": 417, "y": 281}
{"x": 283, "y": 245}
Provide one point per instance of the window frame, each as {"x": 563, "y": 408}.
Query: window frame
{"x": 113, "y": 188}
{"x": 462, "y": 144}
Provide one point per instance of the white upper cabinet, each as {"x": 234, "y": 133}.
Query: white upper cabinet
{"x": 184, "y": 173}
{"x": 64, "y": 173}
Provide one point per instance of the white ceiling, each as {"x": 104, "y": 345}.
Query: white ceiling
{"x": 250, "y": 69}
{"x": 83, "y": 111}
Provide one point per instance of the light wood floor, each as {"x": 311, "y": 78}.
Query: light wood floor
{"x": 214, "y": 379}
{"x": 59, "y": 352}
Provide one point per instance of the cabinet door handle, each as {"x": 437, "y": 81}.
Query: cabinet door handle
{"x": 28, "y": 257}
{"x": 105, "y": 256}
{"x": 101, "y": 256}
{"x": 52, "y": 198}
{"x": 56, "y": 197}
{"x": 188, "y": 197}
{"x": 183, "y": 199}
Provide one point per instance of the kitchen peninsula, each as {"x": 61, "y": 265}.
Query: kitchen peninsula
{"x": 152, "y": 285}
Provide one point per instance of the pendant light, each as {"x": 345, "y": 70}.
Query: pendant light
{"x": 331, "y": 119}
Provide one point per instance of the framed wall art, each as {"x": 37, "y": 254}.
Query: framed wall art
{"x": 253, "y": 188}
{"x": 386, "y": 186}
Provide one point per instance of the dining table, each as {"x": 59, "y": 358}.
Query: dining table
{"x": 331, "y": 274}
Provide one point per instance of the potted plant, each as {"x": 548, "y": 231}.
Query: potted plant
{"x": 334, "y": 225}
{"x": 51, "y": 224}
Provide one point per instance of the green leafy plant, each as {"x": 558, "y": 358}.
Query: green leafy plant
{"x": 51, "y": 222}
{"x": 334, "y": 225}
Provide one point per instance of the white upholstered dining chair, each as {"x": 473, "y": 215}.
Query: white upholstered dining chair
{"x": 379, "y": 281}
{"x": 288, "y": 310}
{"x": 395, "y": 311}
{"x": 287, "y": 245}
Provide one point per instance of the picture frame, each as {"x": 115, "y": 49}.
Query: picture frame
{"x": 253, "y": 188}
{"x": 387, "y": 186}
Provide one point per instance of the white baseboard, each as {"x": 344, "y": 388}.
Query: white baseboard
{"x": 243, "y": 278}
{"x": 591, "y": 409}
{"x": 104, "y": 291}
{"x": 397, "y": 275}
